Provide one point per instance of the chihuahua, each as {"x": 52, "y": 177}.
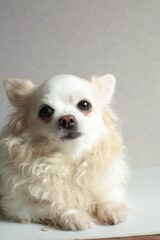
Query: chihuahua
{"x": 62, "y": 155}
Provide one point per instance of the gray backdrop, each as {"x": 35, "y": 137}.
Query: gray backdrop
{"x": 41, "y": 38}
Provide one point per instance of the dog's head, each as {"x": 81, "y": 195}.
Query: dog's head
{"x": 65, "y": 109}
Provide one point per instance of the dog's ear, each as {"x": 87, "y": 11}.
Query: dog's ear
{"x": 105, "y": 85}
{"x": 18, "y": 91}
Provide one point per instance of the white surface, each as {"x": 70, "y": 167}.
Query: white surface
{"x": 144, "y": 201}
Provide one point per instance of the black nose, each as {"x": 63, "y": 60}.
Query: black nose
{"x": 67, "y": 121}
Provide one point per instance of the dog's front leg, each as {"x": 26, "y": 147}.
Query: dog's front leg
{"x": 111, "y": 213}
{"x": 73, "y": 219}
{"x": 112, "y": 209}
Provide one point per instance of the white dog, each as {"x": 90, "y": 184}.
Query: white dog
{"x": 61, "y": 155}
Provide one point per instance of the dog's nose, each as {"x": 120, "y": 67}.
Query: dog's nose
{"x": 67, "y": 121}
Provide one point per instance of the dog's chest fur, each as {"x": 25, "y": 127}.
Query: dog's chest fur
{"x": 58, "y": 177}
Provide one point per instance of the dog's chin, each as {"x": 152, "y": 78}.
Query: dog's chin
{"x": 71, "y": 136}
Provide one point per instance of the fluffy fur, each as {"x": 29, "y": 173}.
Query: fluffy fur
{"x": 47, "y": 178}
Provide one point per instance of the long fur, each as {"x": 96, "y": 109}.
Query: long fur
{"x": 41, "y": 183}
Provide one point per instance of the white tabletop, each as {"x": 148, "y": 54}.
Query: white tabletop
{"x": 144, "y": 202}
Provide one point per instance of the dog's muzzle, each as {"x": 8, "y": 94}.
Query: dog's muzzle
{"x": 68, "y": 125}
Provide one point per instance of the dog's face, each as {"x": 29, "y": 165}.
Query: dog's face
{"x": 65, "y": 109}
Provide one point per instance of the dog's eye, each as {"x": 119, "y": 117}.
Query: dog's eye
{"x": 45, "y": 112}
{"x": 84, "y": 106}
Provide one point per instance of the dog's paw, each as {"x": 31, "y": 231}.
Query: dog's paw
{"x": 112, "y": 213}
{"x": 75, "y": 220}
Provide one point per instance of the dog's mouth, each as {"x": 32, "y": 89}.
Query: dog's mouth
{"x": 71, "y": 136}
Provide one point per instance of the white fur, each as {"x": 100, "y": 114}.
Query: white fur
{"x": 64, "y": 183}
